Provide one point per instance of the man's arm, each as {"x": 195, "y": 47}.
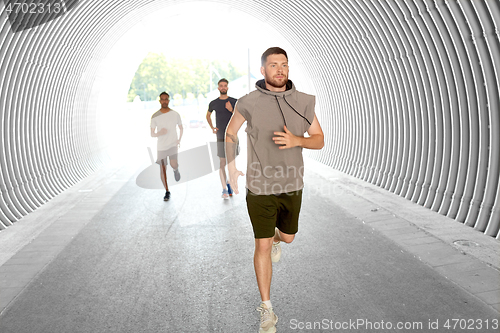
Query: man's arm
{"x": 209, "y": 121}
{"x": 314, "y": 141}
{"x": 231, "y": 145}
{"x": 181, "y": 130}
{"x": 163, "y": 131}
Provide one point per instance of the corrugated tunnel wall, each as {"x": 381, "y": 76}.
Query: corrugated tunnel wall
{"x": 407, "y": 94}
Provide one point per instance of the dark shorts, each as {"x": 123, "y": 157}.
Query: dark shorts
{"x": 269, "y": 211}
{"x": 221, "y": 149}
{"x": 163, "y": 154}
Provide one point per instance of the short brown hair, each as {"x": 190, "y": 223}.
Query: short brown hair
{"x": 272, "y": 50}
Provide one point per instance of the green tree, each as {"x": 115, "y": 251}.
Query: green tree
{"x": 156, "y": 73}
{"x": 148, "y": 78}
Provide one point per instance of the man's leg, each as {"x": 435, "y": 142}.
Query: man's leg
{"x": 263, "y": 266}
{"x": 262, "y": 210}
{"x": 221, "y": 153}
{"x": 264, "y": 271}
{"x": 175, "y": 165}
{"x": 222, "y": 172}
{"x": 288, "y": 219}
{"x": 280, "y": 236}
{"x": 163, "y": 175}
{"x": 223, "y": 179}
{"x": 262, "y": 261}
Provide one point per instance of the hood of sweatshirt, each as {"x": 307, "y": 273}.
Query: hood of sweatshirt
{"x": 261, "y": 86}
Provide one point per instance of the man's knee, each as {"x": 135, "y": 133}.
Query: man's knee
{"x": 174, "y": 164}
{"x": 222, "y": 163}
{"x": 287, "y": 238}
{"x": 263, "y": 245}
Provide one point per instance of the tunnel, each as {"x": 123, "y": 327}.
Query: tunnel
{"x": 407, "y": 95}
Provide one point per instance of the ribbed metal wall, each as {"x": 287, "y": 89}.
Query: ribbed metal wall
{"x": 408, "y": 95}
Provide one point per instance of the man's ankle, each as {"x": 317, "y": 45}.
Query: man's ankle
{"x": 268, "y": 304}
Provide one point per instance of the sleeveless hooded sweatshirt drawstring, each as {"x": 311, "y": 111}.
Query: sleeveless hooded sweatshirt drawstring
{"x": 283, "y": 115}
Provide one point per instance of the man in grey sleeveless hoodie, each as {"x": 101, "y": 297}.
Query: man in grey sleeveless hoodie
{"x": 277, "y": 117}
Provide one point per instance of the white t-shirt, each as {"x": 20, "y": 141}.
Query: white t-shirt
{"x": 168, "y": 120}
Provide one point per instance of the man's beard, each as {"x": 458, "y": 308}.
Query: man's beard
{"x": 223, "y": 92}
{"x": 277, "y": 84}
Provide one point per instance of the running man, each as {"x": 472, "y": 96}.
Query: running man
{"x": 163, "y": 127}
{"x": 277, "y": 117}
{"x": 223, "y": 107}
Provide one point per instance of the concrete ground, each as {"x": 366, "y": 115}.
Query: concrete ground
{"x": 109, "y": 256}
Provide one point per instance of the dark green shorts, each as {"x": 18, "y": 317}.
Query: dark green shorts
{"x": 275, "y": 210}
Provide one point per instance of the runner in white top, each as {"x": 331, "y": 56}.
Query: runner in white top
{"x": 163, "y": 127}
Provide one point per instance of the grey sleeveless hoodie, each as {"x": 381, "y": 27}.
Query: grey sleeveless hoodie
{"x": 271, "y": 170}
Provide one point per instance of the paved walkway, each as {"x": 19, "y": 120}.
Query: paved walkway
{"x": 108, "y": 256}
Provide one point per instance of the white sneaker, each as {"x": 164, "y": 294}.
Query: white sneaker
{"x": 268, "y": 319}
{"x": 276, "y": 252}
{"x": 225, "y": 194}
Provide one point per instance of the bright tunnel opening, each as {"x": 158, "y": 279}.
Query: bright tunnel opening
{"x": 199, "y": 30}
